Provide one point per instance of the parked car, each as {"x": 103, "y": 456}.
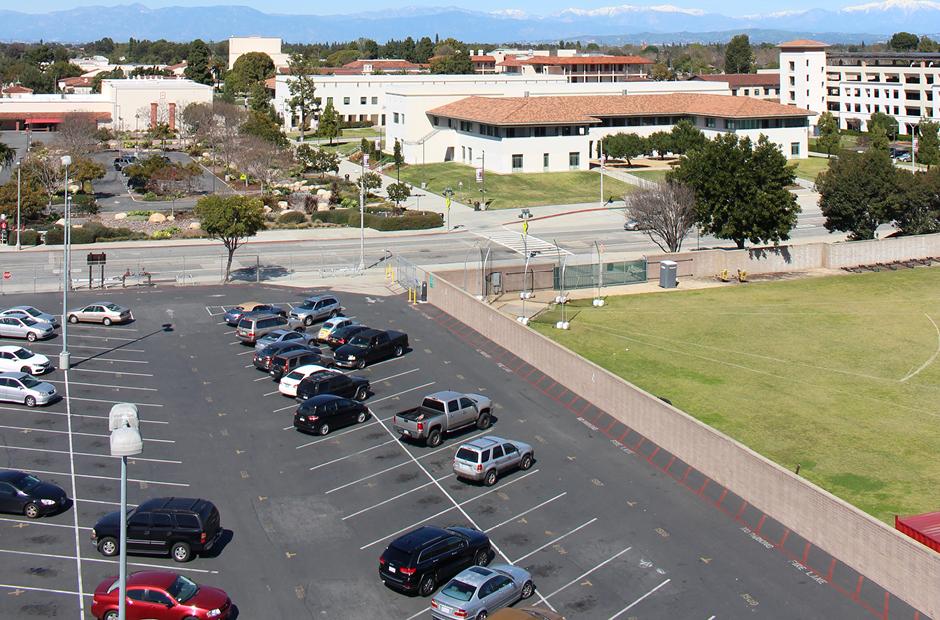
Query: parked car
{"x": 283, "y": 363}
{"x": 288, "y": 384}
{"x": 31, "y": 329}
{"x": 262, "y": 359}
{"x": 426, "y": 556}
{"x": 370, "y": 345}
{"x": 480, "y": 590}
{"x": 34, "y": 313}
{"x": 331, "y": 325}
{"x": 443, "y": 412}
{"x": 904, "y": 156}
{"x": 256, "y": 325}
{"x": 14, "y": 359}
{"x": 525, "y": 613}
{"x": 178, "y": 526}
{"x": 336, "y": 383}
{"x": 25, "y": 494}
{"x": 101, "y": 312}
{"x": 283, "y": 335}
{"x": 486, "y": 458}
{"x": 234, "y": 315}
{"x": 20, "y": 387}
{"x": 123, "y": 161}
{"x": 161, "y": 595}
{"x": 316, "y": 308}
{"x": 339, "y": 337}
{"x": 632, "y": 224}
{"x": 322, "y": 414}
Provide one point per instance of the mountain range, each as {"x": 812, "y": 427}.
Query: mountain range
{"x": 625, "y": 23}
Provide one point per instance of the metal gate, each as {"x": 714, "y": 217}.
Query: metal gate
{"x": 614, "y": 274}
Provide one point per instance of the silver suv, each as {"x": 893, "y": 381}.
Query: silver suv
{"x": 316, "y": 308}
{"x": 31, "y": 329}
{"x": 20, "y": 387}
{"x": 486, "y": 458}
{"x": 254, "y": 326}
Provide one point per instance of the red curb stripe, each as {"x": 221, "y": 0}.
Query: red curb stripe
{"x": 760, "y": 524}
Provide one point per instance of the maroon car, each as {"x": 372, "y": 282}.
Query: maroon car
{"x": 161, "y": 595}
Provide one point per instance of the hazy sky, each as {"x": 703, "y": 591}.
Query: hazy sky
{"x": 727, "y": 7}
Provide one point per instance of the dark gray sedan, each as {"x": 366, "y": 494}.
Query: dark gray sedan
{"x": 283, "y": 335}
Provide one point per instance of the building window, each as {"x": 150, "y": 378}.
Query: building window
{"x": 375, "y": 101}
{"x": 463, "y": 153}
{"x": 470, "y": 154}
{"x": 516, "y": 163}
{"x": 395, "y": 118}
{"x": 329, "y": 100}
{"x": 747, "y": 92}
{"x": 545, "y": 161}
{"x": 345, "y": 100}
{"x": 362, "y": 100}
{"x": 434, "y": 121}
{"x": 402, "y": 118}
{"x": 795, "y": 149}
{"x": 574, "y": 160}
{"x": 539, "y": 132}
{"x": 709, "y": 122}
{"x": 792, "y": 65}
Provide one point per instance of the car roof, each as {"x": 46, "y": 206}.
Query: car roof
{"x": 322, "y": 296}
{"x": 419, "y": 538}
{"x": 322, "y": 375}
{"x": 370, "y": 332}
{"x": 336, "y": 319}
{"x": 14, "y": 375}
{"x": 156, "y": 578}
{"x": 276, "y": 332}
{"x": 248, "y": 304}
{"x": 310, "y": 368}
{"x": 257, "y": 316}
{"x": 475, "y": 575}
{"x": 23, "y": 308}
{"x": 297, "y": 352}
{"x": 445, "y": 395}
{"x": 176, "y": 503}
{"x": 10, "y": 475}
{"x": 482, "y": 443}
{"x": 10, "y": 347}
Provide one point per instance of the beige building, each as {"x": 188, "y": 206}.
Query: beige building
{"x": 238, "y": 46}
{"x": 576, "y": 67}
{"x": 761, "y": 85}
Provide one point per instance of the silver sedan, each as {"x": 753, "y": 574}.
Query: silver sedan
{"x": 480, "y": 590}
{"x": 32, "y": 312}
{"x": 100, "y": 312}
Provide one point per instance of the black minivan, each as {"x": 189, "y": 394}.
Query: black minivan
{"x": 322, "y": 414}
{"x": 427, "y": 556}
{"x": 178, "y": 526}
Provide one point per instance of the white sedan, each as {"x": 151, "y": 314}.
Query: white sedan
{"x": 290, "y": 381}
{"x": 19, "y": 359}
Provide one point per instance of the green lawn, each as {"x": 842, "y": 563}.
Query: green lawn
{"x": 343, "y": 148}
{"x": 848, "y": 142}
{"x": 649, "y": 175}
{"x": 836, "y": 374}
{"x": 510, "y": 191}
{"x": 363, "y": 132}
{"x": 810, "y": 167}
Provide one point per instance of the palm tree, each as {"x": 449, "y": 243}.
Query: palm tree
{"x": 7, "y": 154}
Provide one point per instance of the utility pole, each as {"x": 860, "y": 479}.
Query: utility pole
{"x": 66, "y": 275}
{"x": 362, "y": 212}
{"x": 603, "y": 160}
{"x": 19, "y": 201}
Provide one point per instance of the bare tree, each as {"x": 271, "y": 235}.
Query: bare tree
{"x": 666, "y": 213}
{"x": 47, "y": 170}
{"x": 225, "y": 131}
{"x": 77, "y": 134}
{"x": 196, "y": 121}
{"x": 261, "y": 159}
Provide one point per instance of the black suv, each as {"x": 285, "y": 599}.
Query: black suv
{"x": 427, "y": 556}
{"x": 336, "y": 383}
{"x": 175, "y": 525}
{"x": 283, "y": 363}
{"x": 262, "y": 359}
{"x": 321, "y": 414}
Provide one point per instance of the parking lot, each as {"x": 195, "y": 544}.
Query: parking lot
{"x": 604, "y": 534}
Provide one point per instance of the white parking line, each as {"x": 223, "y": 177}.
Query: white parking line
{"x": 637, "y": 601}
{"x": 249, "y": 352}
{"x": 59, "y": 473}
{"x": 397, "y": 394}
{"x": 285, "y": 409}
{"x": 401, "y": 374}
{"x": 42, "y": 523}
{"x": 103, "y": 456}
{"x": 113, "y": 402}
{"x": 82, "y": 346}
{"x": 349, "y": 456}
{"x": 522, "y": 514}
{"x": 28, "y": 429}
{"x": 273, "y": 393}
{"x": 46, "y": 590}
{"x": 113, "y": 328}
{"x": 229, "y": 332}
{"x": 388, "y": 469}
{"x": 109, "y": 359}
{"x": 236, "y": 342}
{"x": 74, "y": 335}
{"x": 554, "y": 540}
{"x": 589, "y": 571}
{"x": 99, "y": 501}
{"x": 78, "y": 546}
{"x": 358, "y": 427}
{"x": 456, "y": 506}
{"x": 248, "y": 365}
{"x": 33, "y": 412}
{"x": 392, "y": 499}
{"x": 112, "y": 372}
{"x": 262, "y": 379}
{"x": 104, "y": 561}
{"x": 105, "y": 385}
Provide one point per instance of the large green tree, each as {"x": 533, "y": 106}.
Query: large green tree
{"x": 231, "y": 219}
{"x": 660, "y": 142}
{"x": 741, "y": 190}
{"x": 739, "y": 57}
{"x": 829, "y": 137}
{"x": 328, "y": 126}
{"x": 686, "y": 136}
{"x": 878, "y": 139}
{"x": 456, "y": 63}
{"x": 928, "y": 147}
{"x": 424, "y": 49}
{"x": 302, "y": 89}
{"x": 858, "y": 193}
{"x": 251, "y": 68}
{"x": 198, "y": 67}
{"x": 320, "y": 161}
{"x": 888, "y": 123}
{"x": 903, "y": 41}
{"x": 916, "y": 206}
{"x": 625, "y": 146}
{"x": 7, "y": 155}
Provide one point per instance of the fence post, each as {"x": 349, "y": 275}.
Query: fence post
{"x": 257, "y": 268}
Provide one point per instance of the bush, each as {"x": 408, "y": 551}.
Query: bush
{"x": 141, "y": 213}
{"x": 335, "y": 216}
{"x": 348, "y": 203}
{"x": 151, "y": 197}
{"x": 411, "y": 220}
{"x": 92, "y": 233}
{"x": 291, "y": 217}
{"x": 85, "y": 204}
{"x": 166, "y": 233}
{"x": 27, "y": 237}
{"x": 355, "y": 124}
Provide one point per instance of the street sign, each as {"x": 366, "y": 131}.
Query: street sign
{"x": 525, "y": 227}
{"x": 3, "y": 224}
{"x": 447, "y": 202}
{"x": 479, "y": 175}
{"x": 7, "y": 275}
{"x": 97, "y": 259}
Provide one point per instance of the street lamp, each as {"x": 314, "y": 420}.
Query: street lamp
{"x": 123, "y": 422}
{"x": 362, "y": 211}
{"x": 19, "y": 201}
{"x": 66, "y": 238}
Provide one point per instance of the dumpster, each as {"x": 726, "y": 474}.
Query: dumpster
{"x": 667, "y": 274}
{"x": 923, "y": 528}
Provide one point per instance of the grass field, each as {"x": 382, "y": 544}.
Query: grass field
{"x": 511, "y": 191}
{"x": 649, "y": 175}
{"x": 840, "y": 375}
{"x": 810, "y": 167}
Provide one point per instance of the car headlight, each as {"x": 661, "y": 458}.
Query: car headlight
{"x": 213, "y": 613}
{"x": 351, "y": 357}
{"x": 47, "y": 502}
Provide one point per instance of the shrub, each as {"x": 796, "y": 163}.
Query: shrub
{"x": 336, "y": 216}
{"x": 151, "y": 197}
{"x": 27, "y": 237}
{"x": 139, "y": 212}
{"x": 348, "y": 203}
{"x": 166, "y": 233}
{"x": 411, "y": 220}
{"x": 291, "y": 217}
{"x": 85, "y": 204}
{"x": 92, "y": 233}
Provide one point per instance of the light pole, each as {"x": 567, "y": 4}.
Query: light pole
{"x": 482, "y": 179}
{"x": 362, "y": 212}
{"x": 123, "y": 423}
{"x": 448, "y": 195}
{"x": 66, "y": 238}
{"x": 19, "y": 201}
{"x": 603, "y": 161}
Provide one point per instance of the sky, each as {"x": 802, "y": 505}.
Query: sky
{"x": 538, "y": 7}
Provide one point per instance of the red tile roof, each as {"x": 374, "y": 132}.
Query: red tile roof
{"x": 483, "y": 58}
{"x": 587, "y": 60}
{"x": 510, "y": 61}
{"x": 737, "y": 80}
{"x": 16, "y": 89}
{"x": 588, "y": 109}
{"x": 77, "y": 82}
{"x": 383, "y": 64}
{"x": 805, "y": 43}
{"x": 270, "y": 83}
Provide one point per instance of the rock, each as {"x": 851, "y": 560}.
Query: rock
{"x": 60, "y": 221}
{"x": 171, "y": 218}
{"x": 120, "y": 216}
{"x": 195, "y": 226}
{"x": 283, "y": 205}
{"x": 267, "y": 209}
{"x": 156, "y": 218}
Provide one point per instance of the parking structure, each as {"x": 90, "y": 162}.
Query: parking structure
{"x": 306, "y": 517}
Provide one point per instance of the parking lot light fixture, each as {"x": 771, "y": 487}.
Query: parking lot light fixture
{"x": 19, "y": 201}
{"x": 125, "y": 441}
{"x": 66, "y": 238}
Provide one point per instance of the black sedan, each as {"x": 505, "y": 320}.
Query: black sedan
{"x": 322, "y": 414}
{"x": 25, "y": 494}
{"x": 335, "y": 383}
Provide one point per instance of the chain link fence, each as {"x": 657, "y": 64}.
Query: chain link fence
{"x": 612, "y": 273}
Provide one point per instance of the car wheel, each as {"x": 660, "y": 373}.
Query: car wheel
{"x": 31, "y": 336}
{"x": 73, "y": 318}
{"x": 31, "y": 510}
{"x": 108, "y": 547}
{"x": 181, "y": 552}
{"x": 111, "y": 615}
{"x": 361, "y": 393}
{"x": 481, "y": 557}
{"x": 25, "y": 369}
{"x": 399, "y": 351}
{"x": 482, "y": 615}
{"x": 426, "y": 587}
{"x": 361, "y": 364}
{"x": 484, "y": 421}
{"x": 30, "y": 401}
{"x": 361, "y": 418}
{"x": 325, "y": 429}
{"x": 308, "y": 321}
{"x": 528, "y": 589}
{"x": 490, "y": 478}
{"x": 334, "y": 314}
{"x": 526, "y": 462}
{"x": 106, "y": 322}
{"x": 434, "y": 438}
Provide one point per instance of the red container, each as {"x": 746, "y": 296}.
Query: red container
{"x": 923, "y": 528}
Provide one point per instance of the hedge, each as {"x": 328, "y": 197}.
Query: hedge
{"x": 92, "y": 233}
{"x": 27, "y": 237}
{"x": 291, "y": 217}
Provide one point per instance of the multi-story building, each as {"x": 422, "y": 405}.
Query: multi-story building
{"x": 761, "y": 85}
{"x": 271, "y": 46}
{"x": 575, "y": 66}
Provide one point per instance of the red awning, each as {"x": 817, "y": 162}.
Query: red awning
{"x": 44, "y": 120}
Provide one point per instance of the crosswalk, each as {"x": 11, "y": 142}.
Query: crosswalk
{"x": 519, "y": 243}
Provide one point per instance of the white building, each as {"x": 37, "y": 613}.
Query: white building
{"x": 760, "y": 85}
{"x": 237, "y": 46}
{"x": 574, "y": 65}
{"x": 803, "y": 74}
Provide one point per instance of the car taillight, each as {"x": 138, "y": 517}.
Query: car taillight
{"x": 433, "y": 604}
{"x": 202, "y": 538}
{"x": 420, "y": 426}
{"x": 460, "y": 613}
{"x": 311, "y": 418}
{"x": 381, "y": 561}
{"x": 479, "y": 467}
{"x": 407, "y": 571}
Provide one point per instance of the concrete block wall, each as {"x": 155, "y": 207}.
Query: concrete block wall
{"x": 899, "y": 564}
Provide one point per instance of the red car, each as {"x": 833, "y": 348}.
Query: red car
{"x": 161, "y": 595}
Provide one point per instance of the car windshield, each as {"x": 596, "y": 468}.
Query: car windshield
{"x": 307, "y": 305}
{"x": 459, "y": 590}
{"x": 29, "y": 321}
{"x": 359, "y": 341}
{"x": 114, "y": 307}
{"x": 29, "y": 382}
{"x": 32, "y": 311}
{"x": 27, "y": 483}
{"x": 296, "y": 376}
{"x": 182, "y": 589}
{"x": 23, "y": 354}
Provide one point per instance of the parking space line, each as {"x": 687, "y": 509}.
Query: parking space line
{"x": 285, "y": 409}
{"x": 103, "y": 456}
{"x": 249, "y": 352}
{"x": 378, "y": 400}
{"x": 104, "y": 385}
{"x": 236, "y": 342}
{"x": 391, "y": 499}
{"x": 78, "y": 545}
{"x": 248, "y": 365}
{"x": 101, "y": 501}
{"x": 109, "y": 359}
{"x": 358, "y": 427}
{"x": 401, "y": 374}
{"x": 262, "y": 379}
{"x": 105, "y": 561}
{"x": 522, "y": 514}
{"x": 638, "y": 601}
{"x": 227, "y": 333}
{"x": 44, "y": 523}
{"x": 74, "y": 335}
{"x": 456, "y": 506}
{"x": 273, "y": 393}
{"x": 46, "y": 590}
{"x": 59, "y": 473}
{"x": 49, "y": 430}
{"x": 74, "y": 415}
{"x": 388, "y": 469}
{"x": 81, "y": 346}
{"x": 349, "y": 456}
{"x": 112, "y": 372}
{"x": 114, "y": 402}
{"x": 555, "y": 540}
{"x": 113, "y": 328}
{"x": 589, "y": 571}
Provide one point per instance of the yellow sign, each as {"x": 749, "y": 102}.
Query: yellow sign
{"x": 244, "y": 177}
{"x": 447, "y": 202}
{"x": 525, "y": 227}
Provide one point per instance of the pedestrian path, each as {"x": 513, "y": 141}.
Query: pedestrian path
{"x": 519, "y": 243}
